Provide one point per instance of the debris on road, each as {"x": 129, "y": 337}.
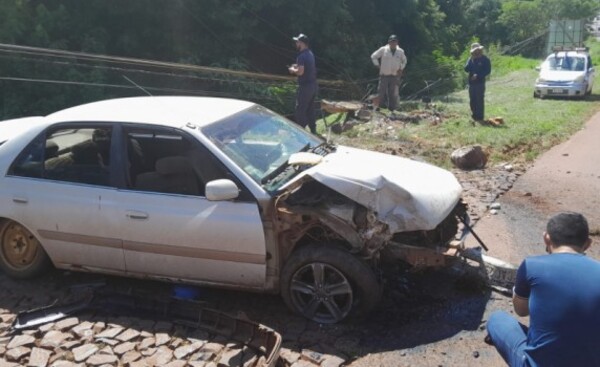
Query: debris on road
{"x": 469, "y": 157}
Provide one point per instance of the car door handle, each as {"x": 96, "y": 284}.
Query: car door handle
{"x": 133, "y": 214}
{"x": 20, "y": 200}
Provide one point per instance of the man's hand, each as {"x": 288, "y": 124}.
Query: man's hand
{"x": 399, "y": 73}
{"x": 293, "y": 69}
{"x": 474, "y": 77}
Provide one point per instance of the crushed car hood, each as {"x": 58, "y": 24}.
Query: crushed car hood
{"x": 406, "y": 195}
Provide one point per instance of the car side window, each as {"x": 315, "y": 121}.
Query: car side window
{"x": 164, "y": 161}
{"x": 80, "y": 155}
{"x": 170, "y": 161}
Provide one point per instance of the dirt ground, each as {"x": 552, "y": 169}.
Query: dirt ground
{"x": 431, "y": 318}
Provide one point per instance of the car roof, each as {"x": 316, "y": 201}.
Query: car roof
{"x": 174, "y": 111}
{"x": 568, "y": 53}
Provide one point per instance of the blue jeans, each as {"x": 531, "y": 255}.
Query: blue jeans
{"x": 509, "y": 337}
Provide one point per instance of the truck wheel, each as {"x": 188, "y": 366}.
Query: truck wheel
{"x": 327, "y": 284}
{"x": 21, "y": 254}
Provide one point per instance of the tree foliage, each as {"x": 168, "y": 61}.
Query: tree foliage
{"x": 253, "y": 35}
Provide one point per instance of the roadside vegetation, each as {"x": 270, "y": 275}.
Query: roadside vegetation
{"x": 531, "y": 126}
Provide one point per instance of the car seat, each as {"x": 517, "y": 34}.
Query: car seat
{"x": 172, "y": 174}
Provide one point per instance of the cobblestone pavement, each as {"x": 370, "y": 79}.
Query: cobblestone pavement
{"x": 427, "y": 318}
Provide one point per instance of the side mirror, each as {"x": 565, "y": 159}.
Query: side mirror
{"x": 538, "y": 68}
{"x": 220, "y": 190}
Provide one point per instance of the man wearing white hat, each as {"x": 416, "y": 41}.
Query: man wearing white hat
{"x": 391, "y": 61}
{"x": 479, "y": 67}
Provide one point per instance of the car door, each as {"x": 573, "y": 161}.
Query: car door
{"x": 63, "y": 190}
{"x": 591, "y": 73}
{"x": 171, "y": 230}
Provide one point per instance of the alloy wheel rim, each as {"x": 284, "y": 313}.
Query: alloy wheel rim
{"x": 321, "y": 293}
{"x": 19, "y": 247}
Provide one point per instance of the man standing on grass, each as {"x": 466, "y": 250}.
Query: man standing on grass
{"x": 479, "y": 67}
{"x": 306, "y": 70}
{"x": 560, "y": 293}
{"x": 391, "y": 61}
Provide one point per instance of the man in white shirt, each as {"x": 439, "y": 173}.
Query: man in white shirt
{"x": 391, "y": 61}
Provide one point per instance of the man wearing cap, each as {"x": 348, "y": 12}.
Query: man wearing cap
{"x": 479, "y": 67}
{"x": 391, "y": 61}
{"x": 305, "y": 69}
{"x": 560, "y": 292}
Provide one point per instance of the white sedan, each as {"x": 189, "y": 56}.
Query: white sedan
{"x": 566, "y": 74}
{"x": 216, "y": 192}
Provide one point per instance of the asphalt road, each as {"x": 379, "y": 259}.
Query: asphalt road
{"x": 566, "y": 178}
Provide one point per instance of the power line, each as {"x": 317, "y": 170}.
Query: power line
{"x": 151, "y": 63}
{"x": 121, "y": 86}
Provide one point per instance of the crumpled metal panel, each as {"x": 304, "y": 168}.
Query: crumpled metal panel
{"x": 406, "y": 195}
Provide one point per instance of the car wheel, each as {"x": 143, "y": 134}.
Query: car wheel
{"x": 535, "y": 95}
{"x": 21, "y": 254}
{"x": 326, "y": 284}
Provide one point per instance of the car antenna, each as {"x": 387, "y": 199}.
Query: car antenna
{"x": 138, "y": 86}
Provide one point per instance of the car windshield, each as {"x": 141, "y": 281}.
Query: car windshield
{"x": 567, "y": 63}
{"x": 259, "y": 141}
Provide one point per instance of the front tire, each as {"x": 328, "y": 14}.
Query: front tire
{"x": 327, "y": 284}
{"x": 21, "y": 254}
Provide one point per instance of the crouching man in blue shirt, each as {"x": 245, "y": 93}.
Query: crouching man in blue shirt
{"x": 560, "y": 293}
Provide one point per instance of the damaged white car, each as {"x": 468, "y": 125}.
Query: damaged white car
{"x": 216, "y": 192}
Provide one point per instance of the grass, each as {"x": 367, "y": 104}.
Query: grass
{"x": 531, "y": 126}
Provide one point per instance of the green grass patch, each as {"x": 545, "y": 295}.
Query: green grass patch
{"x": 531, "y": 126}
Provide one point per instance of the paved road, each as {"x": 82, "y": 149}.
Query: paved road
{"x": 567, "y": 177}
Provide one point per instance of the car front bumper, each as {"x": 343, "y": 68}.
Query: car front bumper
{"x": 560, "y": 89}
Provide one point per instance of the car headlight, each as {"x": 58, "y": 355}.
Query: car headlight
{"x": 540, "y": 80}
{"x": 579, "y": 79}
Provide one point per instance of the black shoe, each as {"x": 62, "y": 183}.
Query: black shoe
{"x": 488, "y": 340}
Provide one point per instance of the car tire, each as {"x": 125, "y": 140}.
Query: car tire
{"x": 21, "y": 254}
{"x": 347, "y": 287}
{"x": 535, "y": 95}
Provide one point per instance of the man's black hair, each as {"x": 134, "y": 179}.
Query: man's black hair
{"x": 568, "y": 228}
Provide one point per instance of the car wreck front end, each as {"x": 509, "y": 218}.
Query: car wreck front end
{"x": 334, "y": 215}
{"x": 381, "y": 207}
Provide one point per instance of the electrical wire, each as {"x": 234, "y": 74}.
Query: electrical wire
{"x": 38, "y": 51}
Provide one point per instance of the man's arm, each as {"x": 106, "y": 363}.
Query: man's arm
{"x": 403, "y": 62}
{"x": 468, "y": 66}
{"x": 487, "y": 68}
{"x": 375, "y": 56}
{"x": 521, "y": 305}
{"x": 521, "y": 291}
{"x": 297, "y": 70}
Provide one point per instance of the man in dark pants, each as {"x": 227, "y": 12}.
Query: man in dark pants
{"x": 560, "y": 293}
{"x": 479, "y": 67}
{"x": 306, "y": 71}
